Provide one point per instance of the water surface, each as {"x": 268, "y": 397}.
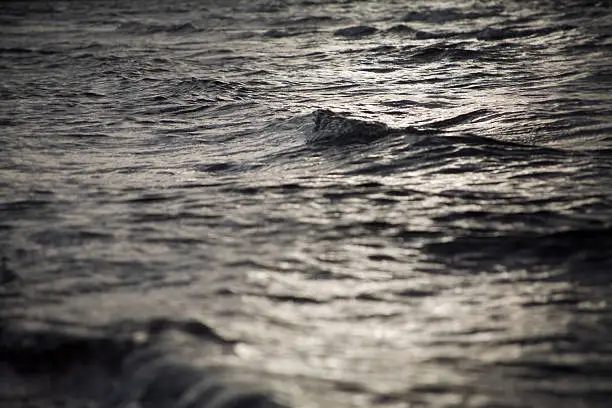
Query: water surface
{"x": 306, "y": 203}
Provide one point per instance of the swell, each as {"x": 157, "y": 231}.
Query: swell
{"x": 489, "y": 33}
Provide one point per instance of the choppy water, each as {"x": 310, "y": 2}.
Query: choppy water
{"x": 306, "y": 203}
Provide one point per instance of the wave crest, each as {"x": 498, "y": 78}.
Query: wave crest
{"x": 331, "y": 128}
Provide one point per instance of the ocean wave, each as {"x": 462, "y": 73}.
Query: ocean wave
{"x": 275, "y": 33}
{"x": 452, "y": 52}
{"x": 444, "y": 15}
{"x": 139, "y": 28}
{"x": 355, "y": 31}
{"x": 416, "y": 34}
{"x": 332, "y": 128}
{"x": 201, "y": 91}
{"x": 21, "y": 50}
{"x": 310, "y": 20}
{"x": 494, "y": 34}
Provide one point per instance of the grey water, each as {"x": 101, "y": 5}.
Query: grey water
{"x": 305, "y": 203}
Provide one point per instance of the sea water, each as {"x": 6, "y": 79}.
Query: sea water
{"x": 306, "y": 203}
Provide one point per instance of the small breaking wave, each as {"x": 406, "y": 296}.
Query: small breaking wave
{"x": 332, "y": 128}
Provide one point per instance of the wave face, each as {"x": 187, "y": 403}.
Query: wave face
{"x": 333, "y": 128}
{"x": 242, "y": 204}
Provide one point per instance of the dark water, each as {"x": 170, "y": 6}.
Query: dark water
{"x": 306, "y": 203}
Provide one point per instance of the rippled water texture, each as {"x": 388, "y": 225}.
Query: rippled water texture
{"x": 306, "y": 203}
